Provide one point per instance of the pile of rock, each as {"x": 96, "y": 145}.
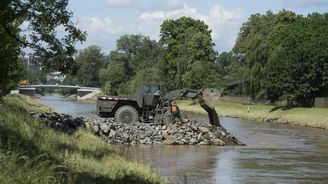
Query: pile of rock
{"x": 62, "y": 122}
{"x": 191, "y": 133}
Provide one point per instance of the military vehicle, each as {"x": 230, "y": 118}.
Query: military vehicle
{"x": 147, "y": 106}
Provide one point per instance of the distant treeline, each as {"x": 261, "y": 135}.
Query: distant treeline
{"x": 284, "y": 56}
{"x": 280, "y": 56}
{"x": 183, "y": 57}
{"x": 275, "y": 57}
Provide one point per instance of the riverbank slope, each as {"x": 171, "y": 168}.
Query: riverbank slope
{"x": 310, "y": 117}
{"x": 33, "y": 153}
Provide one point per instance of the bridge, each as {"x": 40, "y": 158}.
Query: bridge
{"x": 82, "y": 91}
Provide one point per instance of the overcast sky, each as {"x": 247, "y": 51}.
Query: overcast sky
{"x": 106, "y": 20}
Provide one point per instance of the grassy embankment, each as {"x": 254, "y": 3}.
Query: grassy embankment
{"x": 33, "y": 153}
{"x": 311, "y": 117}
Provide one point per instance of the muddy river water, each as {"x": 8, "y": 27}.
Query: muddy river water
{"x": 274, "y": 153}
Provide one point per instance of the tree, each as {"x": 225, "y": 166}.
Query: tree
{"x": 252, "y": 47}
{"x": 297, "y": 66}
{"x": 89, "y": 61}
{"x": 135, "y": 52}
{"x": 44, "y": 18}
{"x": 202, "y": 74}
{"x": 148, "y": 74}
{"x": 112, "y": 78}
{"x": 9, "y": 49}
{"x": 184, "y": 42}
{"x": 230, "y": 67}
{"x": 32, "y": 73}
{"x": 284, "y": 56}
{"x": 134, "y": 55}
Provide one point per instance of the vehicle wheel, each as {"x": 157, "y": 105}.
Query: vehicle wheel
{"x": 126, "y": 114}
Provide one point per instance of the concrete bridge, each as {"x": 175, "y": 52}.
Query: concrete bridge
{"x": 81, "y": 91}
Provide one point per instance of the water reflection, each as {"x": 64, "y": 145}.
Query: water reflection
{"x": 70, "y": 106}
{"x": 274, "y": 153}
{"x": 185, "y": 163}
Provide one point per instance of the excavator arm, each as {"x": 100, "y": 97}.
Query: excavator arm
{"x": 193, "y": 94}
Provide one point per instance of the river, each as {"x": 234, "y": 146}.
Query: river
{"x": 274, "y": 153}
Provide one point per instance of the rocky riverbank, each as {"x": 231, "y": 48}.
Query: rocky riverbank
{"x": 190, "y": 133}
{"x": 62, "y": 122}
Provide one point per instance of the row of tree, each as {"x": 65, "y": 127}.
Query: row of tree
{"x": 183, "y": 57}
{"x": 275, "y": 57}
{"x": 284, "y": 56}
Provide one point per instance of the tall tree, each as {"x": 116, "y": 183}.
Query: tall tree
{"x": 113, "y": 78}
{"x": 201, "y": 74}
{"x": 41, "y": 21}
{"x": 284, "y": 56}
{"x": 135, "y": 52}
{"x": 89, "y": 61}
{"x": 9, "y": 49}
{"x": 134, "y": 55}
{"x": 297, "y": 66}
{"x": 230, "y": 67}
{"x": 252, "y": 47}
{"x": 185, "y": 41}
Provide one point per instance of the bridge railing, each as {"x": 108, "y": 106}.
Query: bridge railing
{"x": 58, "y": 86}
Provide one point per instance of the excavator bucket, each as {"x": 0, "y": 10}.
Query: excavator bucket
{"x": 212, "y": 115}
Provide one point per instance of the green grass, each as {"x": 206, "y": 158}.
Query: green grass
{"x": 33, "y": 153}
{"x": 311, "y": 117}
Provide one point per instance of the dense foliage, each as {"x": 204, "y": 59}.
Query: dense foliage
{"x": 280, "y": 56}
{"x": 275, "y": 57}
{"x": 184, "y": 57}
{"x": 9, "y": 49}
{"x": 33, "y": 24}
{"x": 284, "y": 56}
{"x": 298, "y": 63}
{"x": 89, "y": 62}
{"x": 188, "y": 55}
{"x": 133, "y": 62}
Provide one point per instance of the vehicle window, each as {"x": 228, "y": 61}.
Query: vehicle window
{"x": 155, "y": 89}
{"x": 147, "y": 89}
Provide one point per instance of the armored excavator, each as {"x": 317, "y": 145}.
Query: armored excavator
{"x": 147, "y": 106}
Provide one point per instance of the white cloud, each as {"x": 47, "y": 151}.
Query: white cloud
{"x": 122, "y": 3}
{"x": 151, "y": 5}
{"x": 150, "y": 22}
{"x": 161, "y": 15}
{"x": 96, "y": 25}
{"x": 167, "y": 5}
{"x": 104, "y": 31}
{"x": 306, "y": 3}
{"x": 224, "y": 23}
